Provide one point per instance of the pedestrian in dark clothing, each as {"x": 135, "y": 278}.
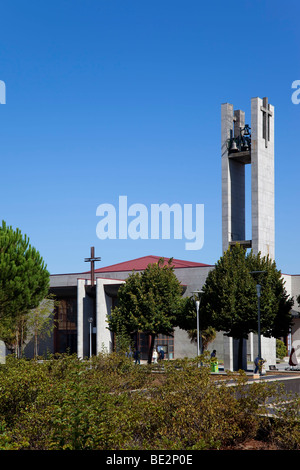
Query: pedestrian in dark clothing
{"x": 161, "y": 354}
{"x": 137, "y": 356}
{"x": 256, "y": 363}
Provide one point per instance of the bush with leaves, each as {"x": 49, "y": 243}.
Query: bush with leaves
{"x": 109, "y": 403}
{"x": 285, "y": 431}
{"x": 281, "y": 349}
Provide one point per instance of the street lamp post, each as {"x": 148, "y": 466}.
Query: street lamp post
{"x": 199, "y": 336}
{"x": 199, "y": 333}
{"x": 258, "y": 291}
{"x": 90, "y": 320}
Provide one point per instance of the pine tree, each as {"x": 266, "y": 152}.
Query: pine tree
{"x": 24, "y": 279}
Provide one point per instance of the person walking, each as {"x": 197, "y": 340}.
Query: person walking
{"x": 256, "y": 363}
{"x": 293, "y": 361}
{"x": 161, "y": 354}
{"x": 137, "y": 356}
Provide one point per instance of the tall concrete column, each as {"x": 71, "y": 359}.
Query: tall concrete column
{"x": 226, "y": 134}
{"x": 104, "y": 341}
{"x": 233, "y": 179}
{"x": 228, "y": 352}
{"x": 262, "y": 177}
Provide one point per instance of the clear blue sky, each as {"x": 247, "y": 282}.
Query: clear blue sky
{"x": 123, "y": 97}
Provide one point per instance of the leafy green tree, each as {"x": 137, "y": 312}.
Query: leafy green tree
{"x": 24, "y": 279}
{"x": 229, "y": 300}
{"x": 187, "y": 320}
{"x": 40, "y": 320}
{"x": 148, "y": 302}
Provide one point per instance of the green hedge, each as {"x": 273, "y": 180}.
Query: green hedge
{"x": 109, "y": 403}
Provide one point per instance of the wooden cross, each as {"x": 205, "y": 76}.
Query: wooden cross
{"x": 92, "y": 260}
{"x": 266, "y": 120}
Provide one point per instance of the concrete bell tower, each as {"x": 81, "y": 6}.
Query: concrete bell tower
{"x": 244, "y": 145}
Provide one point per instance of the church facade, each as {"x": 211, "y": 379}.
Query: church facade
{"x": 82, "y": 313}
{"x": 241, "y": 144}
{"x": 85, "y": 299}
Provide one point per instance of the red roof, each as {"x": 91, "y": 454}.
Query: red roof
{"x": 139, "y": 264}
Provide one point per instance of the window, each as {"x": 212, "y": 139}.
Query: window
{"x": 65, "y": 333}
{"x": 142, "y": 343}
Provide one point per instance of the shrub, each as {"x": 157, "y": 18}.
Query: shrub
{"x": 285, "y": 431}
{"x": 108, "y": 403}
{"x": 281, "y": 349}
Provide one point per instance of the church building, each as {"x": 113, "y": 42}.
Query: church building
{"x": 85, "y": 299}
{"x": 81, "y": 315}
